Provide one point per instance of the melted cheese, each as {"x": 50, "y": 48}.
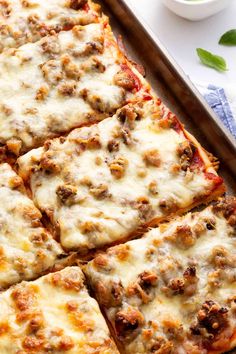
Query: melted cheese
{"x": 53, "y": 314}
{"x": 169, "y": 314}
{"x": 26, "y": 248}
{"x": 24, "y": 21}
{"x": 58, "y": 83}
{"x": 107, "y": 205}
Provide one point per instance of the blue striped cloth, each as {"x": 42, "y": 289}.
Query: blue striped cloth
{"x": 223, "y": 102}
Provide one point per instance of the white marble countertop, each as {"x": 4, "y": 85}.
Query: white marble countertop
{"x": 181, "y": 37}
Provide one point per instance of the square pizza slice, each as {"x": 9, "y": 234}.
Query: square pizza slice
{"x": 61, "y": 82}
{"x": 53, "y": 314}
{"x": 104, "y": 183}
{"x": 174, "y": 290}
{"x": 25, "y": 21}
{"x": 27, "y": 249}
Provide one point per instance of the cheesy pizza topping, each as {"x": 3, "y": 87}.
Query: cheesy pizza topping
{"x": 26, "y": 248}
{"x": 101, "y": 183}
{"x": 53, "y": 314}
{"x": 173, "y": 291}
{"x": 25, "y": 21}
{"x": 64, "y": 81}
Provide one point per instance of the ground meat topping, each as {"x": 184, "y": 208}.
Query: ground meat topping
{"x": 168, "y": 205}
{"x": 52, "y": 72}
{"x": 92, "y": 142}
{"x": 92, "y": 47}
{"x": 128, "y": 115}
{"x": 23, "y": 298}
{"x": 113, "y": 145}
{"x": 190, "y": 280}
{"x": 66, "y": 193}
{"x": 164, "y": 348}
{"x": 210, "y": 223}
{"x": 101, "y": 262}
{"x": 186, "y": 285}
{"x": 100, "y": 192}
{"x": 98, "y": 66}
{"x": 16, "y": 183}
{"x": 50, "y": 45}
{"x": 185, "y": 152}
{"x": 42, "y": 93}
{"x": 48, "y": 162}
{"x": 127, "y": 137}
{"x": 173, "y": 329}
{"x": 184, "y": 236}
{"x": 142, "y": 287}
{"x": 176, "y": 286}
{"x": 36, "y": 323}
{"x": 220, "y": 257}
{"x": 152, "y": 158}
{"x": 144, "y": 208}
{"x": 67, "y": 88}
{"x": 65, "y": 343}
{"x": 121, "y": 252}
{"x": 153, "y": 188}
{"x": 211, "y": 320}
{"x": 5, "y": 9}
{"x": 147, "y": 279}
{"x": 226, "y": 206}
{"x": 118, "y": 167}
{"x": 71, "y": 70}
{"x": 6, "y": 110}
{"x": 90, "y": 227}
{"x": 109, "y": 296}
{"x": 33, "y": 215}
{"x": 32, "y": 343}
{"x": 199, "y": 228}
{"x": 70, "y": 281}
{"x": 127, "y": 322}
{"x": 78, "y": 4}
{"x": 14, "y": 145}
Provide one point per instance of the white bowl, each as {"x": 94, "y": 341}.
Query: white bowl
{"x": 195, "y": 10}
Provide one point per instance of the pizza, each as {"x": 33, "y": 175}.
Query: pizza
{"x": 100, "y": 252}
{"x": 27, "y": 249}
{"x": 53, "y": 314}
{"x": 104, "y": 183}
{"x": 24, "y": 21}
{"x": 174, "y": 290}
{"x": 61, "y": 82}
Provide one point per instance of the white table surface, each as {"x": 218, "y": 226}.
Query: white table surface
{"x": 181, "y": 37}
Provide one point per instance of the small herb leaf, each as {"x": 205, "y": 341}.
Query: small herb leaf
{"x": 212, "y": 60}
{"x": 228, "y": 38}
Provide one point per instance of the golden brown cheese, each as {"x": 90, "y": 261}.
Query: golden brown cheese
{"x": 53, "y": 314}
{"x": 173, "y": 291}
{"x": 61, "y": 82}
{"x": 102, "y": 183}
{"x": 24, "y": 21}
{"x": 27, "y": 249}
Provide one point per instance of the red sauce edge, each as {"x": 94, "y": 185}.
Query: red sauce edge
{"x": 177, "y": 125}
{"x": 197, "y": 161}
{"x": 147, "y": 97}
{"x": 137, "y": 82}
{"x": 215, "y": 178}
{"x": 86, "y": 7}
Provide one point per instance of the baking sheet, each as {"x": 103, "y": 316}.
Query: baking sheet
{"x": 174, "y": 88}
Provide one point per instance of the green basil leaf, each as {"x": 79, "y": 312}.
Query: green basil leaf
{"x": 212, "y": 60}
{"x": 228, "y": 38}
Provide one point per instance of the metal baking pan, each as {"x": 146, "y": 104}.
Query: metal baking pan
{"x": 173, "y": 87}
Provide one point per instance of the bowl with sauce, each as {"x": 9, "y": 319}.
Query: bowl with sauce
{"x": 195, "y": 10}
